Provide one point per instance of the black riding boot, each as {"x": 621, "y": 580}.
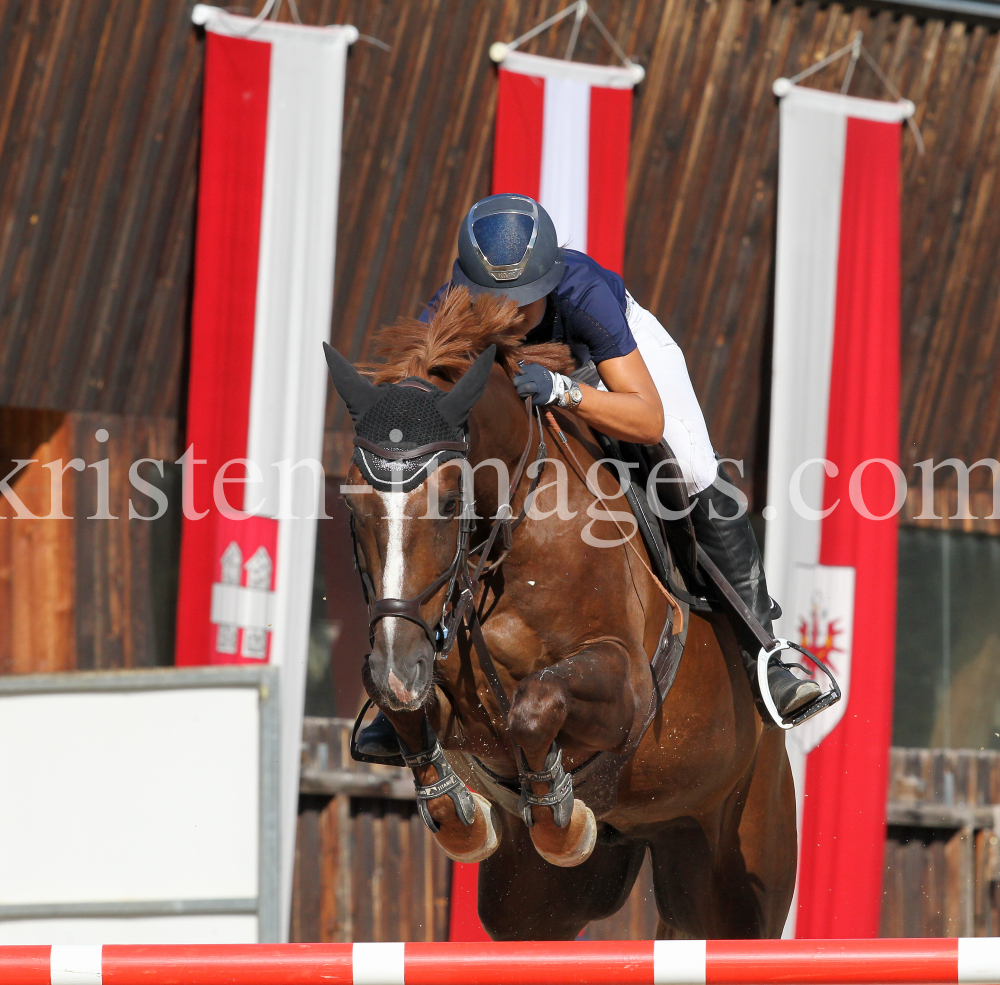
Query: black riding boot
{"x": 729, "y": 541}
{"x": 379, "y": 743}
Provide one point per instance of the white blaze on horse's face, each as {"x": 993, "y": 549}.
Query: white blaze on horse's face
{"x": 394, "y": 504}
{"x": 407, "y": 547}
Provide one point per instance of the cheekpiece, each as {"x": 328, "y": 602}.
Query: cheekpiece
{"x": 390, "y": 435}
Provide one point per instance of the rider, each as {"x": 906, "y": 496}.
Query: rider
{"x": 507, "y": 246}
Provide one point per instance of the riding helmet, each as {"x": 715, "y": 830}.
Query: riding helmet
{"x": 507, "y": 245}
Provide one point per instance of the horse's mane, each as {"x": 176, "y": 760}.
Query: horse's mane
{"x": 459, "y": 330}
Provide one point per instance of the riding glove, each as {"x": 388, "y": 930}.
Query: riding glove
{"x": 542, "y": 385}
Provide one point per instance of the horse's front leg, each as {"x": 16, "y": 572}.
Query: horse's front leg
{"x": 586, "y": 700}
{"x": 462, "y": 821}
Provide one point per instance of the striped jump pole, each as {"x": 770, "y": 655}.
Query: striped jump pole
{"x": 835, "y": 962}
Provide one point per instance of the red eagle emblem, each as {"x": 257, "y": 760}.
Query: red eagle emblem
{"x": 820, "y": 641}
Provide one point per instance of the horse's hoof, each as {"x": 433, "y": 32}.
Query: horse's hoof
{"x": 578, "y": 838}
{"x": 486, "y": 818}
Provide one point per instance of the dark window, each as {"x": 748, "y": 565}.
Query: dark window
{"x": 948, "y": 640}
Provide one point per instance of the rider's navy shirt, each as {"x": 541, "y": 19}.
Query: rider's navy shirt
{"x": 586, "y": 311}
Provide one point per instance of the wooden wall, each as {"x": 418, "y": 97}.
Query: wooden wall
{"x": 88, "y": 594}
{"x": 99, "y": 137}
{"x": 99, "y": 130}
{"x": 942, "y": 857}
{"x": 100, "y": 105}
{"x": 367, "y": 869}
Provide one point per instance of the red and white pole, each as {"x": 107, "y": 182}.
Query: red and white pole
{"x": 939, "y": 961}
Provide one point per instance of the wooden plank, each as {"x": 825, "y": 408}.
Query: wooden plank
{"x": 307, "y": 889}
{"x": 331, "y": 929}
{"x": 354, "y": 783}
{"x": 362, "y": 858}
{"x": 124, "y": 608}
{"x": 344, "y": 886}
{"x": 959, "y": 875}
{"x": 938, "y": 816}
{"x": 37, "y": 558}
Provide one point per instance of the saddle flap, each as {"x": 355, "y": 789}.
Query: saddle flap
{"x": 666, "y": 540}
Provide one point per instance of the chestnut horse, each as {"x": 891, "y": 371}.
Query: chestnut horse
{"x": 571, "y": 617}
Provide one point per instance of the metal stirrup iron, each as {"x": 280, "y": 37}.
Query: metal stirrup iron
{"x": 560, "y": 795}
{"x": 448, "y": 782}
{"x": 764, "y": 659}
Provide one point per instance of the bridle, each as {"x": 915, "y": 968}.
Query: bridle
{"x": 457, "y": 575}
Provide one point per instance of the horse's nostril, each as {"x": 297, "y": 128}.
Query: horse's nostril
{"x": 402, "y": 679}
{"x": 405, "y": 695}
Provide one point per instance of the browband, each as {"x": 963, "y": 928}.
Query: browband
{"x": 401, "y": 455}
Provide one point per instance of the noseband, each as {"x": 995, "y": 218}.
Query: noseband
{"x": 457, "y": 575}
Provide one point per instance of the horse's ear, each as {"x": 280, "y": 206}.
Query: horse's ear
{"x": 358, "y": 393}
{"x": 456, "y": 404}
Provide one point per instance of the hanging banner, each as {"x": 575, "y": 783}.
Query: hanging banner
{"x": 562, "y": 136}
{"x": 834, "y": 486}
{"x": 263, "y": 294}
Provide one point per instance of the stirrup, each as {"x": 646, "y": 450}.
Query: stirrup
{"x": 393, "y": 759}
{"x": 818, "y": 704}
{"x": 560, "y": 795}
{"x": 448, "y": 782}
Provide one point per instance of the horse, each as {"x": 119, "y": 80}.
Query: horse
{"x": 569, "y": 614}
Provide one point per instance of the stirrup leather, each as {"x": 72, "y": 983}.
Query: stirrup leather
{"x": 560, "y": 795}
{"x": 818, "y": 704}
{"x": 448, "y": 782}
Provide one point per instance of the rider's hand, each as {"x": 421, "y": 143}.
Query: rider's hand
{"x": 542, "y": 385}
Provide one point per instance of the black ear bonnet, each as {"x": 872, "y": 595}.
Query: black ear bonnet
{"x": 404, "y": 431}
{"x": 406, "y": 418}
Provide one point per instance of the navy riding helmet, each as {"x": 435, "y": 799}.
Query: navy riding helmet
{"x": 507, "y": 245}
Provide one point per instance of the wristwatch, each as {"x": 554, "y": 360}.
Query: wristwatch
{"x": 572, "y": 397}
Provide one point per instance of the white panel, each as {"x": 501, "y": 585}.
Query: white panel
{"x": 75, "y": 964}
{"x": 979, "y": 959}
{"x": 288, "y": 385}
{"x": 378, "y": 964}
{"x": 679, "y": 962}
{"x": 129, "y": 796}
{"x": 221, "y": 929}
{"x": 566, "y": 159}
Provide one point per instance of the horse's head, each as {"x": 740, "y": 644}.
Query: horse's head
{"x": 406, "y": 513}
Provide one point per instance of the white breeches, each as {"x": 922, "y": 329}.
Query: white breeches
{"x": 684, "y": 425}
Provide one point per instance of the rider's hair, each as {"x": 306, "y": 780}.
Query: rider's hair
{"x": 459, "y": 330}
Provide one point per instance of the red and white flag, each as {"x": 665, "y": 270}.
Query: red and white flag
{"x": 263, "y": 294}
{"x": 562, "y": 136}
{"x": 831, "y": 528}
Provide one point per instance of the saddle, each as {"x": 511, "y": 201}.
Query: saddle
{"x": 670, "y": 542}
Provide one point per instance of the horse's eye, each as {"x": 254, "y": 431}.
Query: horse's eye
{"x": 450, "y": 507}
